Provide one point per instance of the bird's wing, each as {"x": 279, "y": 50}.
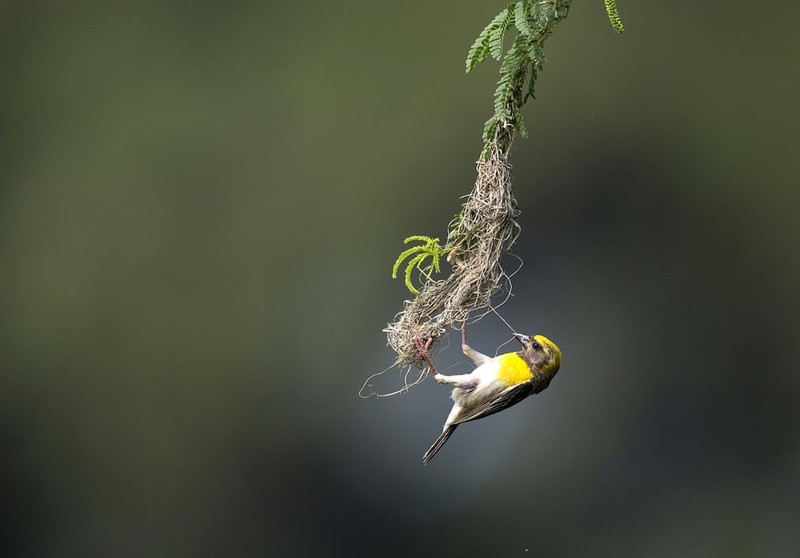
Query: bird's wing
{"x": 505, "y": 399}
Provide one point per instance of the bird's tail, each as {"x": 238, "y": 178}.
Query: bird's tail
{"x": 437, "y": 445}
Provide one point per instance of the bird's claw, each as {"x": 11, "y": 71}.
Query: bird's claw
{"x": 422, "y": 348}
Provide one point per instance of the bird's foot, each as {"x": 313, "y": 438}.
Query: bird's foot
{"x": 422, "y": 348}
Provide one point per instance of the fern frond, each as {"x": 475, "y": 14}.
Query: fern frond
{"x": 478, "y": 51}
{"x": 429, "y": 248}
{"x": 533, "y": 21}
{"x": 481, "y": 47}
{"x": 519, "y": 124}
{"x": 531, "y": 93}
{"x": 419, "y": 238}
{"x": 507, "y": 96}
{"x": 403, "y": 255}
{"x": 414, "y": 262}
{"x": 497, "y": 36}
{"x": 489, "y": 128}
{"x": 613, "y": 16}
{"x": 521, "y": 19}
{"x": 536, "y": 54}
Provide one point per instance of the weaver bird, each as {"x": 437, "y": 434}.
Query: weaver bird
{"x": 496, "y": 384}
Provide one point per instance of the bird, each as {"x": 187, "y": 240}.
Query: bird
{"x": 496, "y": 384}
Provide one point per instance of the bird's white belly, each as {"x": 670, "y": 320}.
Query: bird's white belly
{"x": 487, "y": 387}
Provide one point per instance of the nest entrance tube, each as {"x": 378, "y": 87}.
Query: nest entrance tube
{"x": 484, "y": 231}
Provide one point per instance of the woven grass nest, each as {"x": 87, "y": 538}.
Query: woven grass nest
{"x": 485, "y": 231}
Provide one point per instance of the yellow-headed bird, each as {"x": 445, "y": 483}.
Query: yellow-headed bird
{"x": 497, "y": 383}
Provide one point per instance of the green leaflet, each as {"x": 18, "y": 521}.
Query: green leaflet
{"x": 489, "y": 41}
{"x": 533, "y": 21}
{"x": 429, "y": 248}
{"x": 613, "y": 16}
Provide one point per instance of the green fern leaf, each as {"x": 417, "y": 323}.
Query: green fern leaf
{"x": 498, "y": 34}
{"x": 536, "y": 54}
{"x": 513, "y": 63}
{"x": 414, "y": 262}
{"x": 490, "y": 129}
{"x": 520, "y": 126}
{"x": 521, "y": 19}
{"x": 480, "y": 49}
{"x": 613, "y": 16}
{"x": 531, "y": 93}
{"x": 419, "y": 238}
{"x": 478, "y": 52}
{"x": 533, "y": 21}
{"x": 403, "y": 255}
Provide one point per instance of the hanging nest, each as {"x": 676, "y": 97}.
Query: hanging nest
{"x": 487, "y": 226}
{"x": 483, "y": 232}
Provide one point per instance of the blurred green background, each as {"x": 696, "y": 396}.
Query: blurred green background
{"x": 201, "y": 204}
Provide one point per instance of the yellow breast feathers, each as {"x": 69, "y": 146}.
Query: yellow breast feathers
{"x": 512, "y": 369}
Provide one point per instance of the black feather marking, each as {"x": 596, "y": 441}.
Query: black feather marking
{"x": 511, "y": 396}
{"x": 437, "y": 445}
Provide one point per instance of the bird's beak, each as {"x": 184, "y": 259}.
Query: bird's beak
{"x": 522, "y": 339}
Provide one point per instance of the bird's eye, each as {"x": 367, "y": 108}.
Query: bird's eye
{"x": 536, "y": 346}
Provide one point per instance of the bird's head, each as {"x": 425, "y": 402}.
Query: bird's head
{"x": 543, "y": 355}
